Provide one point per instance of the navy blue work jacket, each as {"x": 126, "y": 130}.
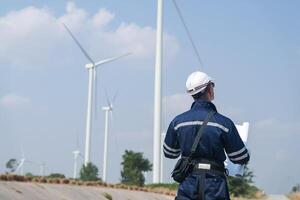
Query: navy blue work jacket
{"x": 220, "y": 134}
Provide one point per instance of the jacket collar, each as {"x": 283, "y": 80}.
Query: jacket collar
{"x": 201, "y": 104}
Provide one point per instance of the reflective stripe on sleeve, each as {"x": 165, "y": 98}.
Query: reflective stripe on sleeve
{"x": 237, "y": 152}
{"x": 171, "y": 149}
{"x": 239, "y": 158}
{"x": 171, "y": 154}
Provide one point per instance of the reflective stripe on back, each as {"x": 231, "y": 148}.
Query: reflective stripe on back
{"x": 190, "y": 123}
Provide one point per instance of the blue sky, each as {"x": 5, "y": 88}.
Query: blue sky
{"x": 252, "y": 49}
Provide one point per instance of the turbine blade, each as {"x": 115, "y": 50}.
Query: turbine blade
{"x": 20, "y": 165}
{"x": 22, "y": 152}
{"x": 80, "y": 155}
{"x": 77, "y": 141}
{"x": 78, "y": 44}
{"x": 29, "y": 161}
{"x": 110, "y": 59}
{"x": 111, "y": 116}
{"x": 114, "y": 98}
{"x": 107, "y": 98}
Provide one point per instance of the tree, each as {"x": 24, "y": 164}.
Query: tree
{"x": 296, "y": 188}
{"x": 241, "y": 186}
{"x": 248, "y": 175}
{"x": 12, "y": 164}
{"x": 29, "y": 174}
{"x": 89, "y": 172}
{"x": 133, "y": 167}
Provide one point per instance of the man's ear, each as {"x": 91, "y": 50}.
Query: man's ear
{"x": 210, "y": 90}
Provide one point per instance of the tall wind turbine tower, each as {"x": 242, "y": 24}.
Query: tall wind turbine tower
{"x": 76, "y": 154}
{"x": 92, "y": 78}
{"x": 107, "y": 109}
{"x": 157, "y": 94}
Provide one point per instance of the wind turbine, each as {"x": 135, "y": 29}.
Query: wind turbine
{"x": 107, "y": 109}
{"x": 76, "y": 153}
{"x": 92, "y": 78}
{"x": 42, "y": 169}
{"x": 20, "y": 167}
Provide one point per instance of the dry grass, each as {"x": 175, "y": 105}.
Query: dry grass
{"x": 42, "y": 180}
{"x": 3, "y": 177}
{"x": 64, "y": 181}
{"x": 294, "y": 196}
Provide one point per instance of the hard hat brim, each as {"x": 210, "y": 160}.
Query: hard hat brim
{"x": 199, "y": 88}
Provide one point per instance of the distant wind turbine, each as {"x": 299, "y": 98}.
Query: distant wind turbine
{"x": 92, "y": 78}
{"x": 107, "y": 109}
{"x": 76, "y": 154}
{"x": 20, "y": 167}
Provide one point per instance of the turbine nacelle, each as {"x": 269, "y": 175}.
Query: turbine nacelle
{"x": 76, "y": 152}
{"x": 89, "y": 66}
{"x": 107, "y": 108}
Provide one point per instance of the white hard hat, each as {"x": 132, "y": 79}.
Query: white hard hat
{"x": 197, "y": 82}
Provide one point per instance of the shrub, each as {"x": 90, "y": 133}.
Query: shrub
{"x": 3, "y": 177}
{"x": 65, "y": 181}
{"x": 56, "y": 175}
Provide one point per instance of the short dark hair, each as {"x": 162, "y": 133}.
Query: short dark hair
{"x": 198, "y": 95}
{"x": 201, "y": 95}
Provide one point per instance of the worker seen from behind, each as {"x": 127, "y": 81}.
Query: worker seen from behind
{"x": 206, "y": 179}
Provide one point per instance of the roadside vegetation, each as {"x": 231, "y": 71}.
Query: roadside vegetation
{"x": 295, "y": 193}
{"x": 132, "y": 178}
{"x": 243, "y": 186}
{"x": 134, "y": 164}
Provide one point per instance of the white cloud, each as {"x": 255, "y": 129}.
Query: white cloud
{"x": 74, "y": 17}
{"x": 102, "y": 18}
{"x": 177, "y": 103}
{"x": 272, "y": 126}
{"x": 233, "y": 112}
{"x": 265, "y": 123}
{"x": 34, "y": 37}
{"x": 13, "y": 101}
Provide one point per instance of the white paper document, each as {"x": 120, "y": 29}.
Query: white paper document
{"x": 236, "y": 169}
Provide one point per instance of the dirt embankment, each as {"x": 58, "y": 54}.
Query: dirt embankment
{"x": 294, "y": 196}
{"x": 37, "y": 191}
{"x": 16, "y": 187}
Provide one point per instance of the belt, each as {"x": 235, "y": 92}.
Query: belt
{"x": 208, "y": 165}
